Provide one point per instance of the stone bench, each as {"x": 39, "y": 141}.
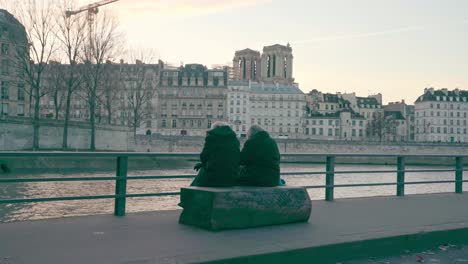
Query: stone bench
{"x": 243, "y": 207}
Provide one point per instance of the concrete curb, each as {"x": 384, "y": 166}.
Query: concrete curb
{"x": 380, "y": 247}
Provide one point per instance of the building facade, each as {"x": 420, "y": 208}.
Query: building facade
{"x": 125, "y": 91}
{"x": 190, "y": 99}
{"x": 441, "y": 116}
{"x": 339, "y": 125}
{"x": 14, "y": 99}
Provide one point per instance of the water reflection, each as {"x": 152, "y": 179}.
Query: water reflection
{"x": 30, "y": 211}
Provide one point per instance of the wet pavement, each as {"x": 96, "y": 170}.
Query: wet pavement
{"x": 444, "y": 254}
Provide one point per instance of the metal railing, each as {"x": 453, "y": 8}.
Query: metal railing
{"x": 121, "y": 176}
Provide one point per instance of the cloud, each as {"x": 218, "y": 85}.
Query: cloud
{"x": 377, "y": 33}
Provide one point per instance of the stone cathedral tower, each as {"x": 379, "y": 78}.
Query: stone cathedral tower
{"x": 276, "y": 66}
{"x": 246, "y": 64}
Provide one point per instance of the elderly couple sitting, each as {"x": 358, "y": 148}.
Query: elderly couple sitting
{"x": 223, "y": 164}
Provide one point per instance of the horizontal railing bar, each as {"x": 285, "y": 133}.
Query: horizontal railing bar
{"x": 365, "y": 184}
{"x": 110, "y": 178}
{"x": 350, "y": 185}
{"x": 151, "y": 194}
{"x": 193, "y": 154}
{"x": 12, "y": 180}
{"x": 160, "y": 177}
{"x": 301, "y": 173}
{"x": 52, "y": 199}
{"x": 430, "y": 182}
{"x": 95, "y": 197}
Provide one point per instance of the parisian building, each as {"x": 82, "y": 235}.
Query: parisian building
{"x": 403, "y": 115}
{"x": 190, "y": 99}
{"x": 441, "y": 115}
{"x": 14, "y": 99}
{"x": 330, "y": 117}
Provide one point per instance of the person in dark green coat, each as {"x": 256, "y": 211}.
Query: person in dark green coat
{"x": 219, "y": 158}
{"x": 260, "y": 159}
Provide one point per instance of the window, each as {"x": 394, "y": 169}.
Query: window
{"x": 198, "y": 123}
{"x": 5, "y": 109}
{"x": 330, "y": 122}
{"x": 209, "y": 124}
{"x": 321, "y": 122}
{"x": 4, "y": 48}
{"x": 320, "y": 131}
{"x": 313, "y": 131}
{"x": 20, "y": 110}
{"x": 360, "y": 132}
{"x": 353, "y": 132}
{"x": 5, "y": 90}
{"x": 174, "y": 123}
{"x": 330, "y": 132}
{"x": 163, "y": 123}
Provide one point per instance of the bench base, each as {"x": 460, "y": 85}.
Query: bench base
{"x": 243, "y": 207}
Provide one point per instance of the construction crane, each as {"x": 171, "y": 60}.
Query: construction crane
{"x": 92, "y": 9}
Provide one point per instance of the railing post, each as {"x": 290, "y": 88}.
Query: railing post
{"x": 459, "y": 175}
{"x": 120, "y": 186}
{"x": 401, "y": 176}
{"x": 330, "y": 178}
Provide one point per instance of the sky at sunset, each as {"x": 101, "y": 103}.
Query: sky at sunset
{"x": 393, "y": 47}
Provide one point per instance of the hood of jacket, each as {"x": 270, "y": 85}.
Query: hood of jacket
{"x": 223, "y": 131}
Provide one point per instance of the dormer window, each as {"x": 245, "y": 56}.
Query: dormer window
{"x": 437, "y": 98}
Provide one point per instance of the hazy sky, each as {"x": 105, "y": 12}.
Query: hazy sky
{"x": 395, "y": 47}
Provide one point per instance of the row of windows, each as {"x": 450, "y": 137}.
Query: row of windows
{"x": 319, "y": 132}
{"x": 19, "y": 111}
{"x": 444, "y": 114}
{"x": 191, "y": 105}
{"x": 443, "y": 130}
{"x": 438, "y": 122}
{"x": 5, "y": 91}
{"x": 335, "y": 121}
{"x": 185, "y": 123}
{"x": 446, "y": 106}
{"x": 450, "y": 98}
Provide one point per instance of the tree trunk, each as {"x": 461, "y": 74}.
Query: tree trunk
{"x": 56, "y": 103}
{"x": 92, "y": 110}
{"x": 65, "y": 123}
{"x": 36, "y": 118}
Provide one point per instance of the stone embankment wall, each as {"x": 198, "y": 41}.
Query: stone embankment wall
{"x": 195, "y": 144}
{"x": 17, "y": 134}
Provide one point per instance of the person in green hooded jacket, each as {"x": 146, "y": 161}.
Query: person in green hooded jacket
{"x": 260, "y": 160}
{"x": 219, "y": 158}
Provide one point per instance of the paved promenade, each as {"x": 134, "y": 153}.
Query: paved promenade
{"x": 334, "y": 229}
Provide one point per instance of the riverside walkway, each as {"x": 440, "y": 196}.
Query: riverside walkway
{"x": 336, "y": 231}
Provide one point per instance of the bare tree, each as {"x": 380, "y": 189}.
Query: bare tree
{"x": 37, "y": 16}
{"x": 55, "y": 81}
{"x": 137, "y": 82}
{"x": 102, "y": 44}
{"x": 110, "y": 87}
{"x": 71, "y": 34}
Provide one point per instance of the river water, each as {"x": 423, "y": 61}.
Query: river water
{"x": 44, "y": 210}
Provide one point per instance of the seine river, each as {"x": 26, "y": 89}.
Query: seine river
{"x": 43, "y": 210}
